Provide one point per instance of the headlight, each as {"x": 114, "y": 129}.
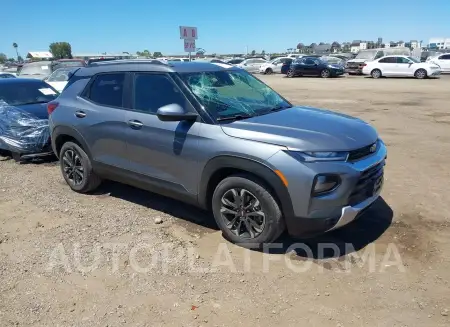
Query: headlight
{"x": 319, "y": 156}
{"x": 325, "y": 183}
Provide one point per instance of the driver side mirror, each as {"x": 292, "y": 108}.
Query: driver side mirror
{"x": 174, "y": 112}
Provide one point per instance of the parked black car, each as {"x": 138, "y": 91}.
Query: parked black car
{"x": 312, "y": 66}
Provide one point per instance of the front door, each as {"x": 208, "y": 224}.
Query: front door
{"x": 164, "y": 152}
{"x": 310, "y": 67}
{"x": 404, "y": 67}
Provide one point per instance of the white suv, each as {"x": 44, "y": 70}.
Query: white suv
{"x": 400, "y": 66}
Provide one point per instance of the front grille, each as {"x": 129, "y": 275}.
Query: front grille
{"x": 363, "y": 152}
{"x": 368, "y": 184}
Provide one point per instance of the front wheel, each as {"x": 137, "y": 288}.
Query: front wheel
{"x": 76, "y": 168}
{"x": 325, "y": 73}
{"x": 246, "y": 211}
{"x": 420, "y": 74}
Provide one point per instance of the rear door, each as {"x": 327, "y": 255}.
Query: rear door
{"x": 101, "y": 117}
{"x": 387, "y": 66}
{"x": 309, "y": 67}
{"x": 162, "y": 152}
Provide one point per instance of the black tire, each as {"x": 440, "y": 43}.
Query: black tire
{"x": 290, "y": 73}
{"x": 376, "y": 73}
{"x": 420, "y": 74}
{"x": 273, "y": 220}
{"x": 325, "y": 73}
{"x": 268, "y": 71}
{"x": 5, "y": 153}
{"x": 89, "y": 181}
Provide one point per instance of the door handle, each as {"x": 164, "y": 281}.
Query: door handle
{"x": 80, "y": 114}
{"x": 135, "y": 124}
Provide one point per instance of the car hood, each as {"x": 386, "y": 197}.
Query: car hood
{"x": 40, "y": 76}
{"x": 37, "y": 109}
{"x": 305, "y": 129}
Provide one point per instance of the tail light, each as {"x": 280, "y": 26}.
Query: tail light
{"x": 51, "y": 106}
{"x": 363, "y": 65}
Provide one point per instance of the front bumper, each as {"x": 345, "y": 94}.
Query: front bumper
{"x": 361, "y": 185}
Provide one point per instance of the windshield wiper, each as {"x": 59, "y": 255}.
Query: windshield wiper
{"x": 34, "y": 102}
{"x": 234, "y": 117}
{"x": 276, "y": 108}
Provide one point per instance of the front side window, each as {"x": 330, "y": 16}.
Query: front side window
{"x": 403, "y": 60}
{"x": 153, "y": 91}
{"x": 309, "y": 61}
{"x": 107, "y": 89}
{"x": 229, "y": 93}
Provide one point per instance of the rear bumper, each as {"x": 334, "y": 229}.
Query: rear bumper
{"x": 353, "y": 70}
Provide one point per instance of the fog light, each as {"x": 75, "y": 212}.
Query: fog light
{"x": 325, "y": 183}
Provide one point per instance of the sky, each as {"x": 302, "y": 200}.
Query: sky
{"x": 230, "y": 26}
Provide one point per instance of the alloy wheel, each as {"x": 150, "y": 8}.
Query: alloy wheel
{"x": 72, "y": 167}
{"x": 325, "y": 73}
{"x": 242, "y": 213}
{"x": 290, "y": 73}
{"x": 421, "y": 74}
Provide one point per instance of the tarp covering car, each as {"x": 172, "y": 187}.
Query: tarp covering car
{"x": 22, "y": 132}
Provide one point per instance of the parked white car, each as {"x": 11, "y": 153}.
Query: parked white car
{"x": 273, "y": 66}
{"x": 401, "y": 66}
{"x": 58, "y": 79}
{"x": 252, "y": 64}
{"x": 442, "y": 60}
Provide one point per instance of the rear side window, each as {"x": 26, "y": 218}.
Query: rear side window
{"x": 152, "y": 91}
{"x": 445, "y": 57}
{"x": 107, "y": 89}
{"x": 388, "y": 60}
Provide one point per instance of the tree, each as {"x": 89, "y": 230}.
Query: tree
{"x": 300, "y": 46}
{"x": 253, "y": 52}
{"x": 263, "y": 52}
{"x": 313, "y": 45}
{"x": 16, "y": 46}
{"x": 157, "y": 54}
{"x": 3, "y": 58}
{"x": 61, "y": 50}
{"x": 321, "y": 43}
{"x": 11, "y": 59}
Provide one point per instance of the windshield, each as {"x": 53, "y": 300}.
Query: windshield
{"x": 366, "y": 54}
{"x": 229, "y": 93}
{"x": 16, "y": 94}
{"x": 36, "y": 68}
{"x": 414, "y": 59}
{"x": 60, "y": 75}
{"x": 62, "y": 64}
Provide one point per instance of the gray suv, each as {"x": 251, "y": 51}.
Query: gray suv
{"x": 215, "y": 136}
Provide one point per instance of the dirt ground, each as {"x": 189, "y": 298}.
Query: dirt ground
{"x": 106, "y": 260}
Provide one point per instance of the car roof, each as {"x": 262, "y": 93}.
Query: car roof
{"x": 21, "y": 80}
{"x": 43, "y": 62}
{"x": 152, "y": 66}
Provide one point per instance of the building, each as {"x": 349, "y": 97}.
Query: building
{"x": 322, "y": 49}
{"x": 363, "y": 46}
{"x": 39, "y": 55}
{"x": 414, "y": 44}
{"x": 379, "y": 42}
{"x": 439, "y": 43}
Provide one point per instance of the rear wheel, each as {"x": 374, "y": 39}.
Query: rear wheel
{"x": 420, "y": 74}
{"x": 246, "y": 211}
{"x": 325, "y": 73}
{"x": 76, "y": 168}
{"x": 376, "y": 73}
{"x": 269, "y": 71}
{"x": 290, "y": 73}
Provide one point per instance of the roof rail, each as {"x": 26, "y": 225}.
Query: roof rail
{"x": 126, "y": 62}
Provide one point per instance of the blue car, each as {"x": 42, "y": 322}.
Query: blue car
{"x": 24, "y": 129}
